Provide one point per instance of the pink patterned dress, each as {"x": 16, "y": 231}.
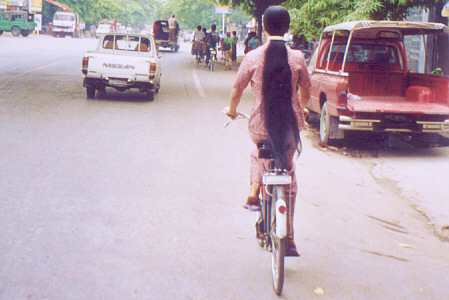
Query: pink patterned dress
{"x": 251, "y": 70}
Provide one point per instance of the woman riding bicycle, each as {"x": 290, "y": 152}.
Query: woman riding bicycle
{"x": 276, "y": 72}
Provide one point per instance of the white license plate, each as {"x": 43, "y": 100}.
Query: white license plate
{"x": 276, "y": 179}
{"x": 117, "y": 82}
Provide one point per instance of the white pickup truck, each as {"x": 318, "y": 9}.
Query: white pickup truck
{"x": 122, "y": 61}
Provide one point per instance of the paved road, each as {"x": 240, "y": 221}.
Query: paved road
{"x": 120, "y": 198}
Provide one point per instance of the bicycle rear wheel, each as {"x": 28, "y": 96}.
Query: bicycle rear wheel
{"x": 277, "y": 263}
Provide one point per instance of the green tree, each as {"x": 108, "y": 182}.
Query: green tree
{"x": 190, "y": 13}
{"x": 134, "y": 12}
{"x": 309, "y": 17}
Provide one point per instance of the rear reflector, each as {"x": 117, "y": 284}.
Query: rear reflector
{"x": 281, "y": 209}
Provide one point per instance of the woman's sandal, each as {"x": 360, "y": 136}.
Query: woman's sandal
{"x": 290, "y": 249}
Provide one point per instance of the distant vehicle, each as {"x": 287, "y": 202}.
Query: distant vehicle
{"x": 122, "y": 61}
{"x": 18, "y": 22}
{"x": 65, "y": 23}
{"x": 187, "y": 35}
{"x": 104, "y": 28}
{"x": 363, "y": 80}
{"x": 161, "y": 35}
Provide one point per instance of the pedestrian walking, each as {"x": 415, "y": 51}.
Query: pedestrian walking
{"x": 82, "y": 27}
{"x": 93, "y": 31}
{"x": 227, "y": 47}
{"x": 222, "y": 37}
{"x": 251, "y": 42}
{"x": 234, "y": 46}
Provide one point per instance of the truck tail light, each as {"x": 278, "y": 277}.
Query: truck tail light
{"x": 152, "y": 70}
{"x": 85, "y": 64}
{"x": 342, "y": 92}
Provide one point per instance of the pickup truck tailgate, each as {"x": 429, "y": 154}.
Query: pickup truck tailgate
{"x": 395, "y": 105}
{"x": 119, "y": 66}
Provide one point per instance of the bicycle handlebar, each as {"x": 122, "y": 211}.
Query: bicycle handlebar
{"x": 240, "y": 115}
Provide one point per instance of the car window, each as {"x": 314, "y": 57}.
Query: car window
{"x": 373, "y": 53}
{"x": 127, "y": 43}
{"x": 312, "y": 61}
{"x": 108, "y": 42}
{"x": 16, "y": 17}
{"x": 364, "y": 53}
{"x": 337, "y": 53}
{"x": 145, "y": 45}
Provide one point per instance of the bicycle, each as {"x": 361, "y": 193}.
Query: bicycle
{"x": 199, "y": 53}
{"x": 213, "y": 58}
{"x": 271, "y": 226}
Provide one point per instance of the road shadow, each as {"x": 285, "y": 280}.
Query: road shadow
{"x": 370, "y": 144}
{"x": 112, "y": 95}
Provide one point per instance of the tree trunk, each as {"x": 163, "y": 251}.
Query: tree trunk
{"x": 261, "y": 6}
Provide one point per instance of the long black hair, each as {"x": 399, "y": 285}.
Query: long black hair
{"x": 279, "y": 116}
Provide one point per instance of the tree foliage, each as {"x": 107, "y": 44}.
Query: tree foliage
{"x": 309, "y": 17}
{"x": 254, "y": 8}
{"x": 134, "y": 12}
{"x": 189, "y": 13}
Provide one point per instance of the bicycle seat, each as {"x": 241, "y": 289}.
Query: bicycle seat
{"x": 264, "y": 148}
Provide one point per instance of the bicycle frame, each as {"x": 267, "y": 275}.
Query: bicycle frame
{"x": 274, "y": 212}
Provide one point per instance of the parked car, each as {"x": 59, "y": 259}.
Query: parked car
{"x": 103, "y": 28}
{"x": 123, "y": 62}
{"x": 18, "y": 22}
{"x": 363, "y": 79}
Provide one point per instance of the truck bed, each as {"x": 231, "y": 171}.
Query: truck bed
{"x": 394, "y": 104}
{"x": 397, "y": 92}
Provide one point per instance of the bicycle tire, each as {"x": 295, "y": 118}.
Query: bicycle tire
{"x": 277, "y": 250}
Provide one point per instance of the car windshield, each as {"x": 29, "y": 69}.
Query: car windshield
{"x": 61, "y": 17}
{"x": 103, "y": 27}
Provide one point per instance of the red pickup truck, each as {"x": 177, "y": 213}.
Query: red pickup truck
{"x": 375, "y": 76}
